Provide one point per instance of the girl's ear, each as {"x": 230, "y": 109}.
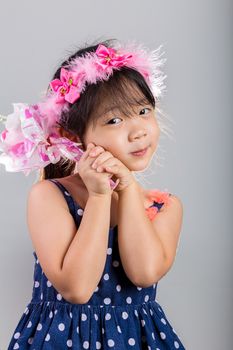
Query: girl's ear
{"x": 64, "y": 133}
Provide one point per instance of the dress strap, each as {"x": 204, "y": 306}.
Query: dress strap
{"x": 67, "y": 196}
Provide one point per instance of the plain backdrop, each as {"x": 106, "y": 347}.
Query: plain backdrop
{"x": 196, "y": 165}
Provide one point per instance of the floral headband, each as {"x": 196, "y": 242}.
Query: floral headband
{"x": 31, "y": 141}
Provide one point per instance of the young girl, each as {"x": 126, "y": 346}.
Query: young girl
{"x": 101, "y": 241}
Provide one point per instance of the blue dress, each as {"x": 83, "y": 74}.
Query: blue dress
{"x": 119, "y": 315}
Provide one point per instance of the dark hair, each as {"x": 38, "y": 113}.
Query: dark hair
{"x": 90, "y": 104}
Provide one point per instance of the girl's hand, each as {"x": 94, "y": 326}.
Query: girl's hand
{"x": 106, "y": 162}
{"x": 97, "y": 183}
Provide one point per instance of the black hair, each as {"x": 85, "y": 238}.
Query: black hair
{"x": 90, "y": 105}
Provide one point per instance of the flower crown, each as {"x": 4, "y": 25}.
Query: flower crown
{"x": 31, "y": 141}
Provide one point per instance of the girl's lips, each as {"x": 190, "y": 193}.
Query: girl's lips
{"x": 140, "y": 153}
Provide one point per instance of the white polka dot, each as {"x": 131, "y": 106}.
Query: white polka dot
{"x": 111, "y": 343}
{"x": 30, "y": 340}
{"x": 77, "y": 329}
{"x": 69, "y": 343}
{"x": 86, "y": 344}
{"x": 131, "y": 341}
{"x": 80, "y": 212}
{"x": 16, "y": 346}
{"x": 173, "y": 330}
{"x": 176, "y": 344}
{"x": 49, "y": 284}
{"x": 67, "y": 193}
{"x": 37, "y": 284}
{"x": 109, "y": 251}
{"x": 162, "y": 335}
{"x": 136, "y": 313}
{"x": 47, "y": 338}
{"x": 107, "y": 316}
{"x": 129, "y": 300}
{"x": 59, "y": 296}
{"x": 153, "y": 335}
{"x": 84, "y": 317}
{"x": 16, "y": 335}
{"x": 26, "y": 311}
{"x": 107, "y": 301}
{"x": 55, "y": 311}
{"x": 41, "y": 296}
{"x": 102, "y": 330}
{"x": 119, "y": 329}
{"x": 124, "y": 315}
{"x": 146, "y": 298}
{"x": 143, "y": 323}
{"x": 96, "y": 317}
{"x": 118, "y": 288}
{"x": 144, "y": 311}
{"x": 61, "y": 326}
{"x": 151, "y": 312}
{"x": 39, "y": 326}
{"x": 163, "y": 320}
{"x": 115, "y": 263}
{"x": 106, "y": 276}
{"x": 29, "y": 324}
{"x": 139, "y": 288}
{"x": 98, "y": 345}
{"x": 71, "y": 315}
{"x": 50, "y": 314}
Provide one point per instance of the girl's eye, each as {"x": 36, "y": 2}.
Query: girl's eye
{"x": 111, "y": 120}
{"x": 144, "y": 109}
{"x": 120, "y": 118}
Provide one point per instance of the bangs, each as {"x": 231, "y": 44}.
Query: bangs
{"x": 124, "y": 91}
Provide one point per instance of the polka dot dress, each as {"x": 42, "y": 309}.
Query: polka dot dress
{"x": 119, "y": 315}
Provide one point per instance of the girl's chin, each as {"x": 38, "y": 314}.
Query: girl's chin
{"x": 138, "y": 167}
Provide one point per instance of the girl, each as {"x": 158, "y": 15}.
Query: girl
{"x": 101, "y": 241}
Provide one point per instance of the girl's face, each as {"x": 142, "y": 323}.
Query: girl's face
{"x": 122, "y": 135}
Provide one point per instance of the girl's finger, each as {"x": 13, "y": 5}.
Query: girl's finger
{"x": 101, "y": 159}
{"x": 96, "y": 151}
{"x": 90, "y": 146}
{"x": 109, "y": 168}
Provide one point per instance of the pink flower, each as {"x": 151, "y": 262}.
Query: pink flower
{"x": 151, "y": 212}
{"x": 66, "y": 87}
{"x": 109, "y": 57}
{"x": 159, "y": 196}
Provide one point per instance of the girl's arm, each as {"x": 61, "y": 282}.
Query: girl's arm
{"x": 147, "y": 249}
{"x": 73, "y": 260}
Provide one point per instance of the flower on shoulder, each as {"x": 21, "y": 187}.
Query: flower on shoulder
{"x": 159, "y": 196}
{"x": 151, "y": 212}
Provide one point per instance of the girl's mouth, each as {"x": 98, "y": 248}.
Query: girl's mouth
{"x": 140, "y": 153}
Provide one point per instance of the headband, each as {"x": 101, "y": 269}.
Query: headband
{"x": 31, "y": 141}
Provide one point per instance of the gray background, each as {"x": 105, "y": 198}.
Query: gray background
{"x": 196, "y": 294}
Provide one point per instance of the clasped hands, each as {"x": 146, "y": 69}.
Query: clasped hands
{"x": 105, "y": 161}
